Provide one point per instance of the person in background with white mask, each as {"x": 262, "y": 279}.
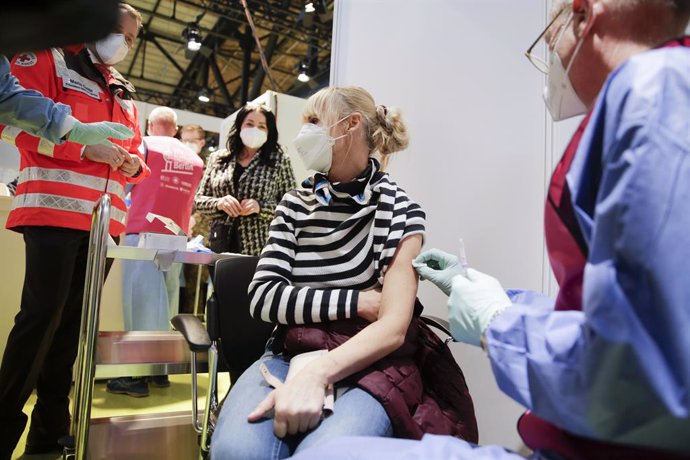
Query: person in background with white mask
{"x": 337, "y": 277}
{"x": 243, "y": 184}
{"x": 604, "y": 369}
{"x": 194, "y": 137}
{"x": 58, "y": 187}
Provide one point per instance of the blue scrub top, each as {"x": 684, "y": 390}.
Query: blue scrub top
{"x": 29, "y": 110}
{"x": 620, "y": 369}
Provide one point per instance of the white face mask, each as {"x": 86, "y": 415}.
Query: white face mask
{"x": 559, "y": 95}
{"x": 112, "y": 49}
{"x": 315, "y": 146}
{"x": 193, "y": 146}
{"x": 253, "y": 138}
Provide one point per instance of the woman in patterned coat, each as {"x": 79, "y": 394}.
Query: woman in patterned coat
{"x": 243, "y": 184}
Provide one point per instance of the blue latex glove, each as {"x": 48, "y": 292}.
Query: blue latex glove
{"x": 474, "y": 302}
{"x": 438, "y": 267}
{"x": 98, "y": 132}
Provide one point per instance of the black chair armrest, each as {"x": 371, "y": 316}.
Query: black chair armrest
{"x": 193, "y": 331}
{"x": 439, "y": 323}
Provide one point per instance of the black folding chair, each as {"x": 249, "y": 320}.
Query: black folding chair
{"x": 230, "y": 330}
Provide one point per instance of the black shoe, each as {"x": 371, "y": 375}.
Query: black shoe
{"x": 45, "y": 430}
{"x": 49, "y": 448}
{"x": 137, "y": 388}
{"x": 159, "y": 381}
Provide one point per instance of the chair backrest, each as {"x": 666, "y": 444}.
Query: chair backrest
{"x": 242, "y": 338}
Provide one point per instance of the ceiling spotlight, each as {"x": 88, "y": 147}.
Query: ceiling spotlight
{"x": 192, "y": 34}
{"x": 303, "y": 76}
{"x": 203, "y": 96}
{"x": 309, "y": 7}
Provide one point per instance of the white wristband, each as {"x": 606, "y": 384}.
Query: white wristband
{"x": 67, "y": 125}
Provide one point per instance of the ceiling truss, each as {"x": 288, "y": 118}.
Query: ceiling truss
{"x": 228, "y": 65}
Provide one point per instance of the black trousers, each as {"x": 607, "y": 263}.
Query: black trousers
{"x": 42, "y": 346}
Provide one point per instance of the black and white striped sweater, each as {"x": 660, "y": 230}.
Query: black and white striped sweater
{"x": 328, "y": 243}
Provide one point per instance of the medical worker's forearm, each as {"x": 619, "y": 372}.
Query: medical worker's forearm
{"x": 584, "y": 381}
{"x": 29, "y": 110}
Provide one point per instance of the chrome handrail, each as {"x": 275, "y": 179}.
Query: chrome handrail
{"x": 195, "y": 394}
{"x": 85, "y": 371}
{"x": 211, "y": 397}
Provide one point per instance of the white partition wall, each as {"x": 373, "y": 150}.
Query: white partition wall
{"x": 482, "y": 144}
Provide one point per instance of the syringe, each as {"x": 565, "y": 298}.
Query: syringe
{"x": 462, "y": 257}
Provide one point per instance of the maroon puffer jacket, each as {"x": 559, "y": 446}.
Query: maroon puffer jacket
{"x": 420, "y": 385}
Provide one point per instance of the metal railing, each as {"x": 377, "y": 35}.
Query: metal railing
{"x": 86, "y": 365}
{"x": 211, "y": 400}
{"x": 76, "y": 444}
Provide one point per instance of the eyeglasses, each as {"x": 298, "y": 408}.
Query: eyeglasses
{"x": 536, "y": 61}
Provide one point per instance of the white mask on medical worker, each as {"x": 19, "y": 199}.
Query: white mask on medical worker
{"x": 253, "y": 137}
{"x": 559, "y": 94}
{"x": 315, "y": 146}
{"x": 112, "y": 49}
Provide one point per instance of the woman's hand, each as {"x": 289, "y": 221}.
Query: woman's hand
{"x": 369, "y": 304}
{"x": 297, "y": 404}
{"x": 249, "y": 206}
{"x": 229, "y": 205}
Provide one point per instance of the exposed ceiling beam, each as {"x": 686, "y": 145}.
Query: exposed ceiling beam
{"x": 219, "y": 79}
{"x": 260, "y": 72}
{"x": 247, "y": 45}
{"x": 208, "y": 108}
{"x": 237, "y": 72}
{"x": 215, "y": 8}
{"x": 178, "y": 21}
{"x": 223, "y": 29}
{"x": 165, "y": 53}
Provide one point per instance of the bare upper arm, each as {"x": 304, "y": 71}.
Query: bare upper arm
{"x": 407, "y": 250}
{"x": 400, "y": 283}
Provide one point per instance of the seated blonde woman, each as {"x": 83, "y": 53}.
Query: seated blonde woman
{"x": 336, "y": 275}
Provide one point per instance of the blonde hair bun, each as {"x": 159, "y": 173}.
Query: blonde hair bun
{"x": 391, "y": 134}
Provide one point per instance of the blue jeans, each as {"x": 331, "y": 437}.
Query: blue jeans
{"x": 430, "y": 447}
{"x": 150, "y": 297}
{"x": 356, "y": 413}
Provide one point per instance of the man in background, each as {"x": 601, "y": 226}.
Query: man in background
{"x": 195, "y": 278}
{"x": 150, "y": 297}
{"x": 194, "y": 137}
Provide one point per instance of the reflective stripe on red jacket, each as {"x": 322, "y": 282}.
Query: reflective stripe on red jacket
{"x": 56, "y": 186}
